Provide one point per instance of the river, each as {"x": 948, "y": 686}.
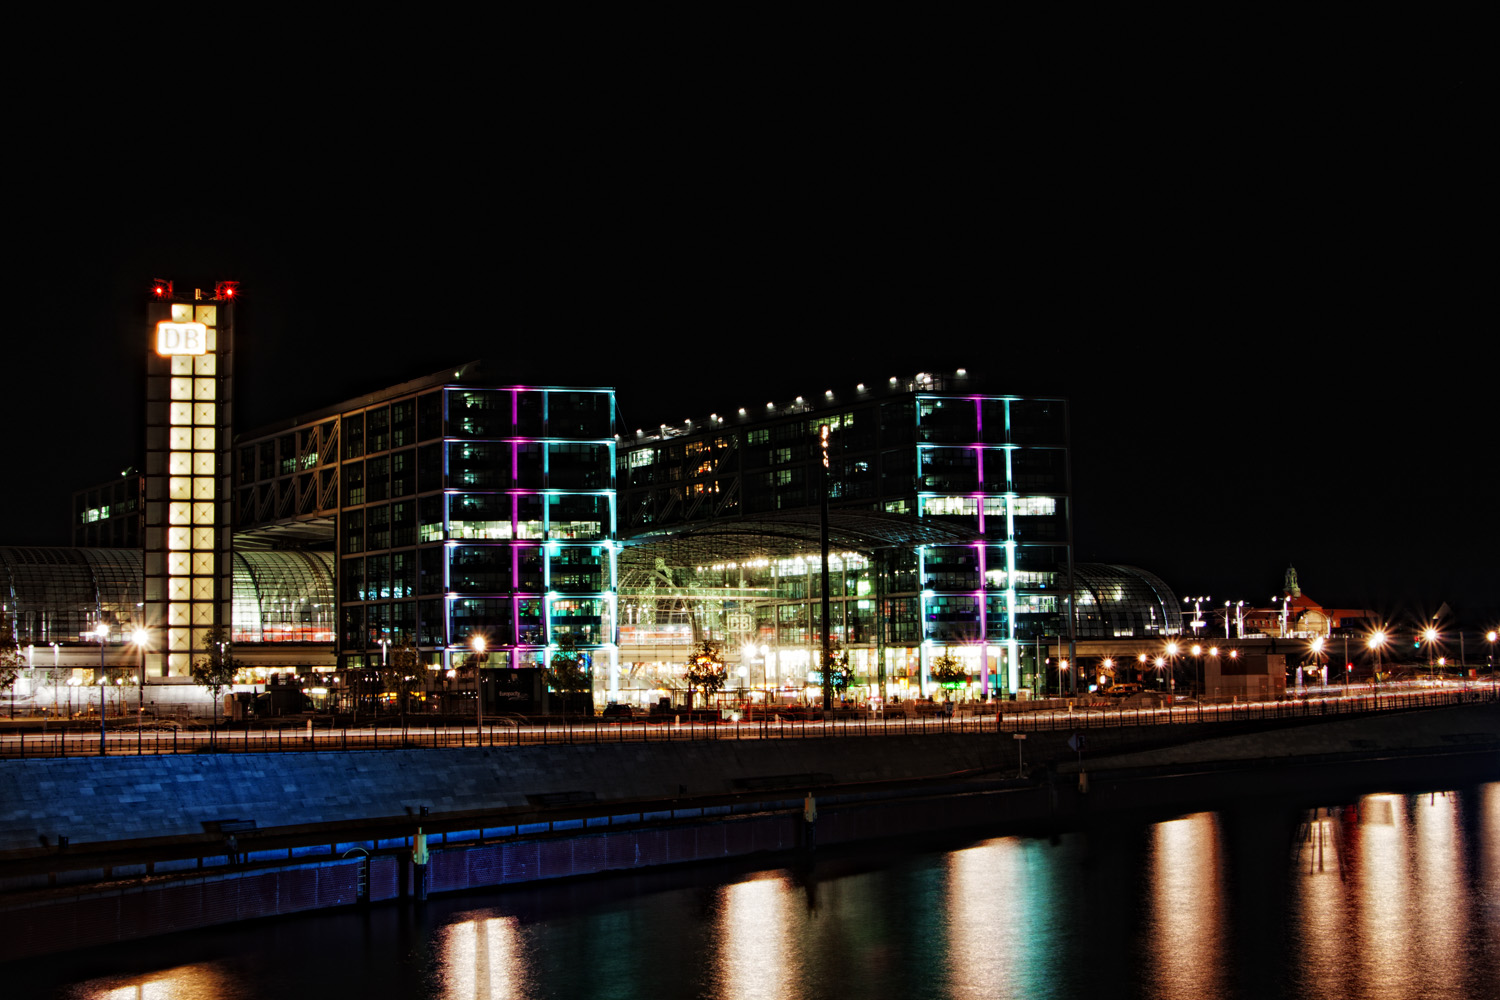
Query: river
{"x": 1380, "y": 897}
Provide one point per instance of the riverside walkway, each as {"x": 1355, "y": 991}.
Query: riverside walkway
{"x": 124, "y": 738}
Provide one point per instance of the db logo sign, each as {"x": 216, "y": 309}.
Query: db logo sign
{"x": 181, "y": 338}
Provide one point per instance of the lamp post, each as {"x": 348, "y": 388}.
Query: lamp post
{"x": 1197, "y": 603}
{"x": 1238, "y": 609}
{"x": 1490, "y": 637}
{"x": 1429, "y": 636}
{"x": 102, "y": 631}
{"x": 1376, "y": 642}
{"x": 478, "y": 645}
{"x": 1172, "y": 670}
{"x": 57, "y": 669}
{"x": 385, "y": 645}
{"x": 139, "y": 637}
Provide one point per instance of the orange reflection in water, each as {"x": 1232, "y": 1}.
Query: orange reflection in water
{"x": 483, "y": 959}
{"x": 1383, "y": 951}
{"x": 1319, "y": 904}
{"x": 756, "y": 927}
{"x": 1184, "y": 940}
{"x": 186, "y": 982}
{"x": 998, "y": 904}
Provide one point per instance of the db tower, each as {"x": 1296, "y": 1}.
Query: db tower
{"x": 186, "y": 519}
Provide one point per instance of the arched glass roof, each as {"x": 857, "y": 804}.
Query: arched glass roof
{"x": 59, "y": 594}
{"x": 1117, "y": 601}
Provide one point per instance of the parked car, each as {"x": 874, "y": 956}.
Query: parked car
{"x": 1122, "y": 690}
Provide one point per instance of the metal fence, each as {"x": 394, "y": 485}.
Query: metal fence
{"x": 503, "y": 732}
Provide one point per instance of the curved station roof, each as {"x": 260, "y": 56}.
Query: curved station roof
{"x": 792, "y": 533}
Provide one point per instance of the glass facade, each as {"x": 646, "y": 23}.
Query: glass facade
{"x": 62, "y": 595}
{"x": 458, "y": 513}
{"x": 994, "y": 468}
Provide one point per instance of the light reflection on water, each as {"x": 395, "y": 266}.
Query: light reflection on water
{"x": 1377, "y": 898}
{"x": 1184, "y": 923}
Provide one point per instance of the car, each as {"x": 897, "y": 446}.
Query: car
{"x": 618, "y": 712}
{"x": 1122, "y": 690}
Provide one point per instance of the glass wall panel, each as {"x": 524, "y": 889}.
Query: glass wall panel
{"x": 578, "y": 516}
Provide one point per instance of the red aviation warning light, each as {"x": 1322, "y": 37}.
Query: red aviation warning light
{"x": 226, "y": 290}
{"x": 161, "y": 289}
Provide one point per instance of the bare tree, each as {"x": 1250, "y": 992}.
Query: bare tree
{"x": 216, "y": 669}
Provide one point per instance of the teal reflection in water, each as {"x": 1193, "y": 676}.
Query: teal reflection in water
{"x": 1378, "y": 897}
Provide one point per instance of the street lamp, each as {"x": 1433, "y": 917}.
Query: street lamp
{"x": 1429, "y": 636}
{"x": 57, "y": 669}
{"x": 102, "y": 631}
{"x": 1238, "y": 608}
{"x": 478, "y": 644}
{"x": 139, "y": 637}
{"x": 385, "y": 644}
{"x": 1197, "y": 603}
{"x": 1376, "y": 642}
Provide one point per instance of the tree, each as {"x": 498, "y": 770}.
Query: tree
{"x": 569, "y": 670}
{"x": 400, "y": 672}
{"x": 10, "y": 655}
{"x": 705, "y": 670}
{"x": 838, "y": 673}
{"x": 948, "y": 670}
{"x": 406, "y": 668}
{"x": 215, "y": 670}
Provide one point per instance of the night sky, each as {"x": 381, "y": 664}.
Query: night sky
{"x": 1275, "y": 355}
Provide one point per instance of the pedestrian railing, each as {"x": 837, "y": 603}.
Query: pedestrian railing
{"x": 668, "y": 729}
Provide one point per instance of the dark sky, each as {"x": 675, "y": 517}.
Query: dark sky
{"x": 1278, "y": 346}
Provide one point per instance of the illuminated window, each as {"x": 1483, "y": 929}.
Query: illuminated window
{"x": 1033, "y": 506}
{"x": 182, "y": 388}
{"x": 180, "y": 413}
